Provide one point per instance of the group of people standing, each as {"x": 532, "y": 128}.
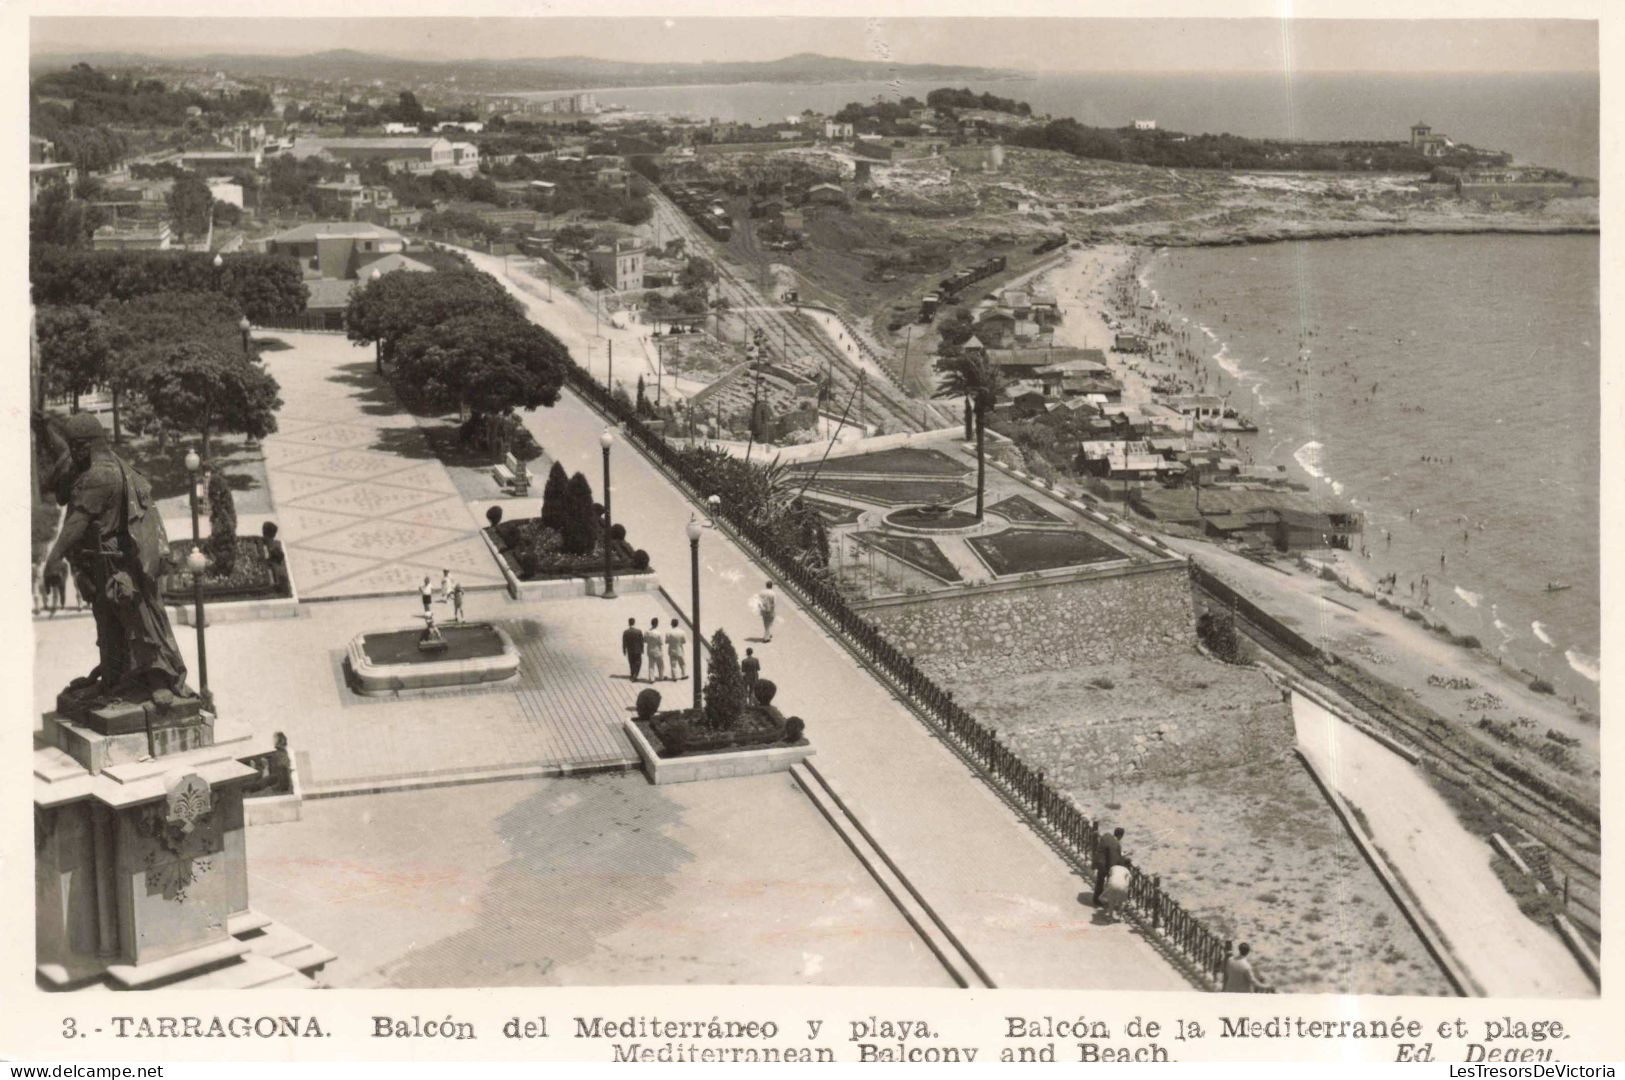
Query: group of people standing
{"x": 664, "y": 649}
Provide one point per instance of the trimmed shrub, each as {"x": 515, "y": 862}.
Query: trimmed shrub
{"x": 221, "y": 546}
{"x": 648, "y": 703}
{"x": 580, "y": 526}
{"x": 494, "y": 516}
{"x": 555, "y": 498}
{"x": 640, "y": 560}
{"x": 793, "y": 729}
{"x": 764, "y": 691}
{"x": 724, "y": 683}
{"x": 617, "y": 532}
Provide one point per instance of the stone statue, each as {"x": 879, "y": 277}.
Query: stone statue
{"x": 114, "y": 541}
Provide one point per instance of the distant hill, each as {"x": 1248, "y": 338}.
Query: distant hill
{"x": 541, "y": 73}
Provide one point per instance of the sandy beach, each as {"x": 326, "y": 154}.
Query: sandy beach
{"x": 1099, "y": 283}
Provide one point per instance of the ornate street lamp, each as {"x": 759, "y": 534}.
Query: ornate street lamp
{"x": 197, "y": 563}
{"x": 378, "y": 345}
{"x": 694, "y": 529}
{"x": 243, "y": 325}
{"x": 715, "y": 504}
{"x": 606, "y": 440}
{"x": 219, "y": 262}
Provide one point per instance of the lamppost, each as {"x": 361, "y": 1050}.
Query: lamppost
{"x": 714, "y": 502}
{"x": 219, "y": 262}
{"x": 196, "y": 562}
{"x": 244, "y": 325}
{"x": 606, "y": 440}
{"x": 378, "y": 345}
{"x": 693, "y": 530}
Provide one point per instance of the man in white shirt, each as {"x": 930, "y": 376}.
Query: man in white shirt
{"x": 676, "y": 648}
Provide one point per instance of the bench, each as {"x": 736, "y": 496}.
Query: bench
{"x": 512, "y": 476}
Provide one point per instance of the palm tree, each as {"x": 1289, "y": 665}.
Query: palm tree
{"x": 977, "y": 381}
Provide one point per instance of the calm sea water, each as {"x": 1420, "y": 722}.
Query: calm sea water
{"x": 1547, "y": 119}
{"x": 1446, "y": 386}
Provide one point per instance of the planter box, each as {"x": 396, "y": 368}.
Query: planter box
{"x": 565, "y": 587}
{"x": 368, "y": 677}
{"x": 181, "y": 608}
{"x": 682, "y": 770}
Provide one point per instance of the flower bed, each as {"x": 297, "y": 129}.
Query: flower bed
{"x": 1021, "y": 509}
{"x": 254, "y": 577}
{"x": 897, "y": 492}
{"x": 898, "y": 461}
{"x": 917, "y": 551}
{"x": 758, "y": 726}
{"x": 1023, "y": 551}
{"x": 834, "y": 513}
{"x": 534, "y": 553}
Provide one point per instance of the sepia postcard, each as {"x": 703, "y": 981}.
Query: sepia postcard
{"x": 627, "y": 533}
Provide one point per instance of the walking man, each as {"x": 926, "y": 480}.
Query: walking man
{"x": 751, "y": 668}
{"x": 766, "y": 603}
{"x": 1107, "y": 855}
{"x": 427, "y": 592}
{"x": 1239, "y": 976}
{"x": 654, "y": 643}
{"x": 457, "y": 601}
{"x": 676, "y": 646}
{"x": 446, "y": 585}
{"x": 632, "y": 647}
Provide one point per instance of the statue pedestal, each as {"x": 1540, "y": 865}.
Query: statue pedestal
{"x": 141, "y": 864}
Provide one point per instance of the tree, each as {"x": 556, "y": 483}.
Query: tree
{"x": 60, "y": 219}
{"x": 555, "y": 498}
{"x": 486, "y": 362}
{"x": 387, "y": 310}
{"x": 261, "y": 285}
{"x": 191, "y": 206}
{"x": 697, "y": 273}
{"x": 141, "y": 329}
{"x": 201, "y": 387}
{"x": 74, "y": 348}
{"x": 580, "y": 526}
{"x": 978, "y": 381}
{"x": 724, "y": 683}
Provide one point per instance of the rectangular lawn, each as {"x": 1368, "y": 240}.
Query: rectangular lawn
{"x": 1023, "y": 551}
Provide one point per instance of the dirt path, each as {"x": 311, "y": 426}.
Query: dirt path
{"x": 1446, "y": 867}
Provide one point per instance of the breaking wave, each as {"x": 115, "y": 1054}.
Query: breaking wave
{"x": 1584, "y": 665}
{"x": 1540, "y": 632}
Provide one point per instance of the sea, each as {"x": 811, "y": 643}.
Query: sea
{"x": 1548, "y": 119}
{"x": 1447, "y": 387}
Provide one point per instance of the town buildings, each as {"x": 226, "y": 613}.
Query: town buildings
{"x": 620, "y": 264}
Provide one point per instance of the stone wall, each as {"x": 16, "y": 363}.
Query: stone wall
{"x": 1022, "y": 628}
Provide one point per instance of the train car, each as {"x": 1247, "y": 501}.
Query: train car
{"x": 928, "y": 307}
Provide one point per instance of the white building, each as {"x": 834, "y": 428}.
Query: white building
{"x": 1145, "y": 125}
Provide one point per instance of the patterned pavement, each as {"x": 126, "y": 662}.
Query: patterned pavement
{"x": 364, "y": 507}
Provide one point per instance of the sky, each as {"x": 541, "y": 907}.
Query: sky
{"x": 1032, "y": 44}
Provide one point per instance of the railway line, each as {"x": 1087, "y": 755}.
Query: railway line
{"x": 806, "y": 349}
{"x": 1572, "y": 839}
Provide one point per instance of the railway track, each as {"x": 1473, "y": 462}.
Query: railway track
{"x": 1572, "y": 841}
{"x": 806, "y": 349}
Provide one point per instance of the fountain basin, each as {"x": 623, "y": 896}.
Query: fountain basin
{"x": 387, "y": 661}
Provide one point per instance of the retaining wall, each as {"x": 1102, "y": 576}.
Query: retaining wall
{"x": 1025, "y": 627}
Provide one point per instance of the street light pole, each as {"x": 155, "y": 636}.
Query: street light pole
{"x": 605, "y": 440}
{"x": 694, "y": 576}
{"x": 197, "y": 563}
{"x": 244, "y": 325}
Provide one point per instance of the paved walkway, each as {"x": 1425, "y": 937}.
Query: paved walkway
{"x": 596, "y": 881}
{"x": 1012, "y": 901}
{"x": 563, "y": 712}
{"x": 1447, "y": 867}
{"x": 364, "y": 506}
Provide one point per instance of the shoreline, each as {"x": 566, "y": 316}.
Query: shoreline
{"x": 1359, "y": 232}
{"x": 1091, "y": 282}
